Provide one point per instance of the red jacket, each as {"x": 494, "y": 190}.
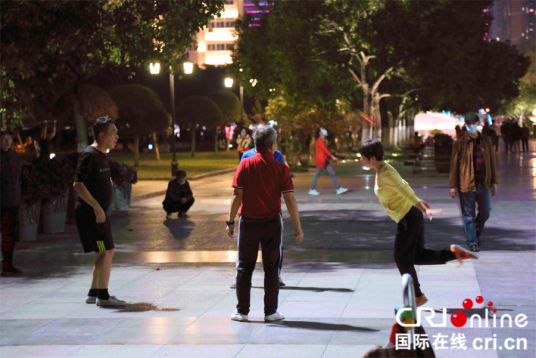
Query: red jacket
{"x": 322, "y": 153}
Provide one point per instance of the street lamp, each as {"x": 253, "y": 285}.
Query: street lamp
{"x": 188, "y": 67}
{"x": 228, "y": 82}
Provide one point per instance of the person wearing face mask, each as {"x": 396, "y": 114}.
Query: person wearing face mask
{"x": 323, "y": 156}
{"x": 473, "y": 175}
{"x": 179, "y": 196}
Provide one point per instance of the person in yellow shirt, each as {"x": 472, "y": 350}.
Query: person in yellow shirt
{"x": 406, "y": 209}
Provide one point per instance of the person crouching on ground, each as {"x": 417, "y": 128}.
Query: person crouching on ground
{"x": 179, "y": 196}
{"x": 405, "y": 208}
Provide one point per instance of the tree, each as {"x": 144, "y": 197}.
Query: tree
{"x": 198, "y": 111}
{"x": 49, "y": 48}
{"x": 96, "y": 102}
{"x": 521, "y": 106}
{"x": 230, "y": 108}
{"x": 402, "y": 55}
{"x": 140, "y": 113}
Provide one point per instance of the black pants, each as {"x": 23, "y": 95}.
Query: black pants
{"x": 409, "y": 247}
{"x": 525, "y": 145}
{"x": 10, "y": 231}
{"x": 251, "y": 232}
{"x": 177, "y": 206}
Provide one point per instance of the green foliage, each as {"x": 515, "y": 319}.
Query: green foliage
{"x": 140, "y": 110}
{"x": 123, "y": 175}
{"x": 229, "y": 105}
{"x": 195, "y": 111}
{"x": 33, "y": 187}
{"x": 50, "y": 47}
{"x": 96, "y": 102}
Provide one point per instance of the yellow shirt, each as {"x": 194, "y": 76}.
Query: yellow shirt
{"x": 394, "y": 193}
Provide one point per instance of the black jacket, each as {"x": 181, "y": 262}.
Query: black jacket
{"x": 10, "y": 172}
{"x": 175, "y": 191}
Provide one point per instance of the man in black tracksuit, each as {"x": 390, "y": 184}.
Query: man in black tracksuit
{"x": 11, "y": 170}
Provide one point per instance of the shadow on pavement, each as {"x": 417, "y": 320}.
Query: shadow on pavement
{"x": 139, "y": 307}
{"x": 322, "y": 326}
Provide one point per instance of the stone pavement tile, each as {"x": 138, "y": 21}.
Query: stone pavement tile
{"x": 77, "y": 327}
{"x": 84, "y": 310}
{"x": 292, "y": 309}
{"x": 346, "y": 351}
{"x": 199, "y": 351}
{"x": 468, "y": 353}
{"x": 181, "y": 313}
{"x": 130, "y": 351}
{"x": 127, "y": 337}
{"x": 282, "y": 351}
{"x": 35, "y": 310}
{"x": 38, "y": 351}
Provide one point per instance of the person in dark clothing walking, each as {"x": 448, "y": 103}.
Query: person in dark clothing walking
{"x": 179, "y": 196}
{"x": 10, "y": 189}
{"x": 258, "y": 184}
{"x": 46, "y": 141}
{"x": 506, "y": 134}
{"x": 93, "y": 184}
{"x": 525, "y": 135}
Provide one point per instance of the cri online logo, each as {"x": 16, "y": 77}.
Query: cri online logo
{"x": 459, "y": 318}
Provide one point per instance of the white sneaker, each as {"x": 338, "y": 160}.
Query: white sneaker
{"x": 341, "y": 190}
{"x": 313, "y": 192}
{"x": 168, "y": 216}
{"x": 112, "y": 301}
{"x": 233, "y": 285}
{"x": 239, "y": 317}
{"x": 90, "y": 299}
{"x": 274, "y": 317}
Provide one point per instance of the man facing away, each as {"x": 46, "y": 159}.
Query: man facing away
{"x": 258, "y": 184}
{"x": 93, "y": 184}
{"x": 179, "y": 196}
{"x": 473, "y": 174}
{"x": 10, "y": 189}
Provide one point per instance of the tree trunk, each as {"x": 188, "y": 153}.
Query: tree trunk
{"x": 193, "y": 141}
{"x": 136, "y": 150}
{"x": 156, "y": 149}
{"x": 80, "y": 125}
{"x": 216, "y": 140}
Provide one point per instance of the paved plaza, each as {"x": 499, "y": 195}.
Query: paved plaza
{"x": 342, "y": 283}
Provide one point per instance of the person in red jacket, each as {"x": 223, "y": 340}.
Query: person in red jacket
{"x": 323, "y": 156}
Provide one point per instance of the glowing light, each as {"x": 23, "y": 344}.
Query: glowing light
{"x": 253, "y": 82}
{"x": 52, "y": 155}
{"x": 154, "y": 68}
{"x": 202, "y": 47}
{"x": 107, "y": 150}
{"x": 188, "y": 67}
{"x": 228, "y": 82}
{"x": 150, "y": 146}
{"x": 365, "y": 168}
{"x": 230, "y": 145}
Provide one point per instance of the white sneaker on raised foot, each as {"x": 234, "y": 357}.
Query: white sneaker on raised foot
{"x": 341, "y": 190}
{"x": 274, "y": 317}
{"x": 239, "y": 317}
{"x": 313, "y": 192}
{"x": 233, "y": 285}
{"x": 90, "y": 299}
{"x": 112, "y": 301}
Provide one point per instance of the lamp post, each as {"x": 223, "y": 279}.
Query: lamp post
{"x": 155, "y": 70}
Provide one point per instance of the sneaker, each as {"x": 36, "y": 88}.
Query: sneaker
{"x": 239, "y": 317}
{"x": 313, "y": 192}
{"x": 474, "y": 248}
{"x": 112, "y": 301}
{"x": 168, "y": 216}
{"x": 183, "y": 215}
{"x": 90, "y": 299}
{"x": 10, "y": 270}
{"x": 281, "y": 283}
{"x": 421, "y": 300}
{"x": 274, "y": 317}
{"x": 463, "y": 254}
{"x": 233, "y": 285}
{"x": 341, "y": 190}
